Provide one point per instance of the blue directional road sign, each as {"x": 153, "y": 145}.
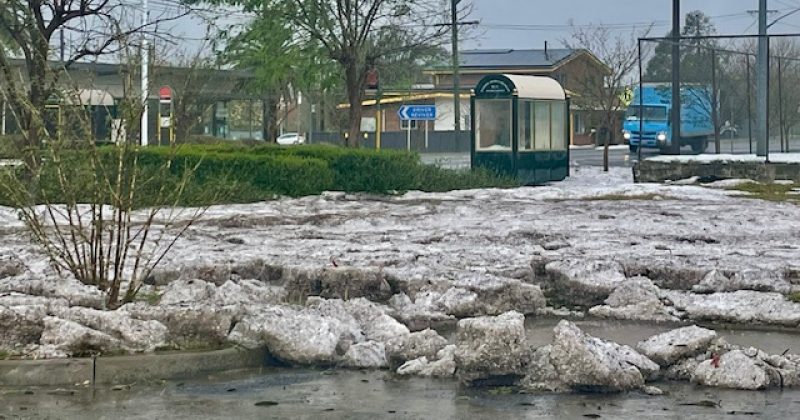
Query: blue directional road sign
{"x": 417, "y": 112}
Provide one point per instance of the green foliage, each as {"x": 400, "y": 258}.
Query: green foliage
{"x": 269, "y": 46}
{"x": 794, "y": 297}
{"x": 236, "y": 173}
{"x": 695, "y": 53}
{"x": 152, "y": 298}
{"x": 359, "y": 170}
{"x": 436, "y": 179}
{"x": 12, "y": 146}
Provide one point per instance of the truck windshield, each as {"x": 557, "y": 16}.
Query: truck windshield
{"x": 650, "y": 113}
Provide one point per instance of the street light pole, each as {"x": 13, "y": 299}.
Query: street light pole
{"x": 144, "y": 128}
{"x": 456, "y": 73}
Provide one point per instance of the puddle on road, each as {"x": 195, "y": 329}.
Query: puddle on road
{"x": 314, "y": 394}
{"x": 308, "y": 394}
{"x": 539, "y": 331}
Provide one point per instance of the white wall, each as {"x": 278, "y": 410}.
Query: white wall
{"x": 444, "y": 114}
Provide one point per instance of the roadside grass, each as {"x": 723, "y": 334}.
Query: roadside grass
{"x": 3, "y": 355}
{"x": 769, "y": 192}
{"x": 151, "y": 298}
{"x": 794, "y": 297}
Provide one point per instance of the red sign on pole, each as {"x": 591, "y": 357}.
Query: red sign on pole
{"x": 165, "y": 93}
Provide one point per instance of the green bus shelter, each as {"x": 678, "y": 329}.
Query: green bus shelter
{"x": 520, "y": 128}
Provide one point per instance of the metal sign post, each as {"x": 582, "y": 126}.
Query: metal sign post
{"x": 426, "y": 135}
{"x": 408, "y": 137}
{"x": 417, "y": 113}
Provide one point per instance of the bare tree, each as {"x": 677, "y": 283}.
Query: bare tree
{"x": 101, "y": 214}
{"x": 31, "y": 24}
{"x": 603, "y": 91}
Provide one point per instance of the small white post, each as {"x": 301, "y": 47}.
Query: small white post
{"x": 426, "y": 134}
{"x": 3, "y": 124}
{"x": 408, "y": 137}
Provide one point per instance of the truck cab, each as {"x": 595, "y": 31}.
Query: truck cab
{"x": 647, "y": 120}
{"x": 654, "y": 129}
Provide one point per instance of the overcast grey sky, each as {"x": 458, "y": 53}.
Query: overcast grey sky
{"x": 528, "y": 23}
{"x": 729, "y": 16}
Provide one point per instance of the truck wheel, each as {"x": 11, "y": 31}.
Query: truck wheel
{"x": 633, "y": 148}
{"x": 700, "y": 145}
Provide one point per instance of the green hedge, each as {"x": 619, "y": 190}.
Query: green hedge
{"x": 354, "y": 170}
{"x": 239, "y": 176}
{"x": 230, "y": 173}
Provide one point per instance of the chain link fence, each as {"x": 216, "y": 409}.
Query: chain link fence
{"x": 718, "y": 95}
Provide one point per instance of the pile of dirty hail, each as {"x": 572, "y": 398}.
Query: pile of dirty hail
{"x": 363, "y": 282}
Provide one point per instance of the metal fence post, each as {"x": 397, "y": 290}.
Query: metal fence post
{"x": 780, "y": 103}
{"x": 641, "y": 91}
{"x": 714, "y": 101}
{"x": 676, "y": 78}
{"x": 765, "y": 95}
{"x": 749, "y": 104}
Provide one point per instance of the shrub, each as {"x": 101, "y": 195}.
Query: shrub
{"x": 211, "y": 140}
{"x": 12, "y": 146}
{"x": 78, "y": 201}
{"x": 436, "y": 179}
{"x": 230, "y": 173}
{"x": 243, "y": 177}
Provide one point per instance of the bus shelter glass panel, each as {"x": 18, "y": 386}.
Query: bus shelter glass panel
{"x": 542, "y": 126}
{"x": 526, "y": 125}
{"x": 560, "y": 136}
{"x": 493, "y": 120}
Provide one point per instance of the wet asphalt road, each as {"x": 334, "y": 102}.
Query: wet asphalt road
{"x": 619, "y": 156}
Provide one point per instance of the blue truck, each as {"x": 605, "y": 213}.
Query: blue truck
{"x": 647, "y": 121}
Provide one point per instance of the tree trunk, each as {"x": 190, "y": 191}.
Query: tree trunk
{"x": 269, "y": 118}
{"x": 606, "y": 149}
{"x": 355, "y": 93}
{"x": 34, "y": 111}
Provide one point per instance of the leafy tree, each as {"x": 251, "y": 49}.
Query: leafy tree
{"x": 358, "y": 35}
{"x": 281, "y": 62}
{"x": 695, "y": 53}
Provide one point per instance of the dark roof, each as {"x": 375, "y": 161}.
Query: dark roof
{"x": 513, "y": 58}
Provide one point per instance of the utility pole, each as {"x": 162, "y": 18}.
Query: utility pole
{"x": 762, "y": 82}
{"x": 456, "y": 73}
{"x": 144, "y": 128}
{"x": 61, "y": 45}
{"x": 675, "y": 118}
{"x": 454, "y": 24}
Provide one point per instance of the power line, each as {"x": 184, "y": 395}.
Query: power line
{"x": 613, "y": 26}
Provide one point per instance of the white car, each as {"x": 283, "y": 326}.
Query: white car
{"x": 290, "y": 139}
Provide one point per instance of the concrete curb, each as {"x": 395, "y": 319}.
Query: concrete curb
{"x": 126, "y": 369}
